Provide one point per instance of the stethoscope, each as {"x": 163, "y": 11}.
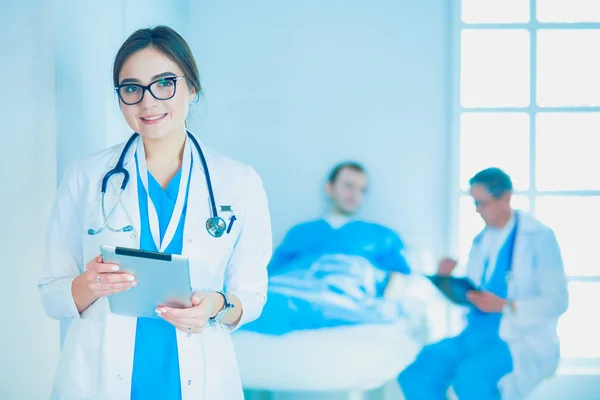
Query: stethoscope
{"x": 215, "y": 225}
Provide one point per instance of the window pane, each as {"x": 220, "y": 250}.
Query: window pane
{"x": 575, "y": 221}
{"x": 470, "y": 223}
{"x": 495, "y": 140}
{"x": 494, "y": 68}
{"x": 495, "y": 11}
{"x": 568, "y": 11}
{"x": 567, "y": 69}
{"x": 567, "y": 151}
{"x": 578, "y": 329}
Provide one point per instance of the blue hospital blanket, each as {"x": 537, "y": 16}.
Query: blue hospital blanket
{"x": 333, "y": 290}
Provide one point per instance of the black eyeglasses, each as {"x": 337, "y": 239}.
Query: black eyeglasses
{"x": 160, "y": 89}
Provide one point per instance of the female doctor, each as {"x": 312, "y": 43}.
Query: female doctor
{"x": 178, "y": 197}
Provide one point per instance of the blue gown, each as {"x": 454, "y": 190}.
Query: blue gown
{"x": 472, "y": 362}
{"x": 322, "y": 276}
{"x": 156, "y": 361}
{"x": 307, "y": 242}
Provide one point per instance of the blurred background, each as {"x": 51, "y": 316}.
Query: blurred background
{"x": 424, "y": 94}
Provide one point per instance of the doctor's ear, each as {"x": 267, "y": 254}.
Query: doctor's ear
{"x": 328, "y": 188}
{"x": 192, "y": 96}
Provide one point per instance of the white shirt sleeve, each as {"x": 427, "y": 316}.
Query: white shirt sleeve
{"x": 63, "y": 258}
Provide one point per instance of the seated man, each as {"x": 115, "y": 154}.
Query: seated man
{"x": 510, "y": 342}
{"x": 333, "y": 271}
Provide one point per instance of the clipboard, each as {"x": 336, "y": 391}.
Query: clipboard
{"x": 162, "y": 279}
{"x": 455, "y": 289}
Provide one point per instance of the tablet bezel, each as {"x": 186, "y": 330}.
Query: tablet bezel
{"x": 162, "y": 280}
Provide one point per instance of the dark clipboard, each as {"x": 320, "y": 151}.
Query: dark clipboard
{"x": 454, "y": 288}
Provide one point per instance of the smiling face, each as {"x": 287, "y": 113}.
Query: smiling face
{"x": 153, "y": 118}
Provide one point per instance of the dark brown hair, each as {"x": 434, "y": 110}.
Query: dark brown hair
{"x": 338, "y": 168}
{"x": 168, "y": 42}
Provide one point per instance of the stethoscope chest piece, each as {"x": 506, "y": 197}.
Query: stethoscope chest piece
{"x": 216, "y": 226}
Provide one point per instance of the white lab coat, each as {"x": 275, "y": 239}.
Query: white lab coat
{"x": 539, "y": 290}
{"x": 97, "y": 355}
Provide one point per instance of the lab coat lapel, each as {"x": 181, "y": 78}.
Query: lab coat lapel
{"x": 198, "y": 207}
{"x": 475, "y": 261}
{"x": 198, "y": 204}
{"x": 520, "y": 250}
{"x": 522, "y": 261}
{"x": 130, "y": 209}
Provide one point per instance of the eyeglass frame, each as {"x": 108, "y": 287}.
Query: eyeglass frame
{"x": 147, "y": 88}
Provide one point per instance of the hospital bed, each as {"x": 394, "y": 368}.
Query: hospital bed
{"x": 358, "y": 362}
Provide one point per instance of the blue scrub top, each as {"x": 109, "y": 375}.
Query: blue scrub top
{"x": 484, "y": 325}
{"x": 156, "y": 361}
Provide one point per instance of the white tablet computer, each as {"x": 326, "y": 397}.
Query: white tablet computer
{"x": 162, "y": 279}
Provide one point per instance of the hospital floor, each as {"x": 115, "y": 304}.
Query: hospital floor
{"x": 560, "y": 387}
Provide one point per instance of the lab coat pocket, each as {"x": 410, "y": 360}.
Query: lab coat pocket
{"x": 524, "y": 281}
{"x": 77, "y": 371}
{"x": 223, "y": 249}
{"x": 213, "y": 254}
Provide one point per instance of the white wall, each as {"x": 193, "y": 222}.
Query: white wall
{"x": 28, "y": 340}
{"x": 89, "y": 35}
{"x": 293, "y": 88}
{"x": 58, "y": 105}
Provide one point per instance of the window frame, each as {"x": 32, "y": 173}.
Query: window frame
{"x": 456, "y": 25}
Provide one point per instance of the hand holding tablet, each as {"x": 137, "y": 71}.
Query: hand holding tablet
{"x": 162, "y": 279}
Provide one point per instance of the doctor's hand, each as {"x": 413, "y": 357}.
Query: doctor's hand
{"x": 193, "y": 319}
{"x": 486, "y": 301}
{"x": 446, "y": 267}
{"x": 99, "y": 280}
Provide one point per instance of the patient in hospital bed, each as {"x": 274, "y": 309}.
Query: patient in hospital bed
{"x": 333, "y": 271}
{"x": 326, "y": 310}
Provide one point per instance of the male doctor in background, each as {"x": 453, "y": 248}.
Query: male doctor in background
{"x": 510, "y": 342}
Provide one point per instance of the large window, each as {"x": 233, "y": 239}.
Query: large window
{"x": 527, "y": 99}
